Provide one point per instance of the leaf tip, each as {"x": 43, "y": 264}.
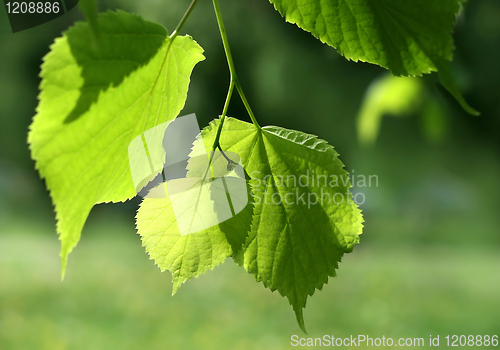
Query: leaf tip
{"x": 472, "y": 111}
{"x": 176, "y": 285}
{"x": 444, "y": 74}
{"x": 300, "y": 318}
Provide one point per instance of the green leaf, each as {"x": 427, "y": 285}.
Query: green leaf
{"x": 444, "y": 72}
{"x": 93, "y": 102}
{"x": 407, "y": 37}
{"x": 403, "y": 36}
{"x": 188, "y": 255}
{"x": 294, "y": 244}
{"x": 89, "y": 8}
{"x": 185, "y": 223}
{"x": 387, "y": 95}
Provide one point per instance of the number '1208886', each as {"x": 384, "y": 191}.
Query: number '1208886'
{"x": 471, "y": 340}
{"x": 33, "y": 7}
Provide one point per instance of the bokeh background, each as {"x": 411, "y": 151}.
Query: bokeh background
{"x": 428, "y": 262}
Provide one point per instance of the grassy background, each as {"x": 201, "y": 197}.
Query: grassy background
{"x": 114, "y": 298}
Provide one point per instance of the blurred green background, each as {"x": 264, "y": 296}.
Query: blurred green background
{"x": 428, "y": 262}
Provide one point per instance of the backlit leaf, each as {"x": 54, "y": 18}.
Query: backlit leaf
{"x": 94, "y": 100}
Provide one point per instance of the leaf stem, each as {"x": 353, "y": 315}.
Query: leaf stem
{"x": 216, "y": 143}
{"x": 247, "y": 105}
{"x": 223, "y": 115}
{"x": 232, "y": 70}
{"x": 183, "y": 20}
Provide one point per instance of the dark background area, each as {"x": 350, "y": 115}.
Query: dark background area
{"x": 428, "y": 260}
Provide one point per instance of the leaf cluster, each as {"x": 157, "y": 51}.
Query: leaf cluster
{"x": 108, "y": 81}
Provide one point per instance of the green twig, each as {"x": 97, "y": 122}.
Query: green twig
{"x": 232, "y": 70}
{"x": 183, "y": 20}
{"x": 247, "y": 105}
{"x": 223, "y": 115}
